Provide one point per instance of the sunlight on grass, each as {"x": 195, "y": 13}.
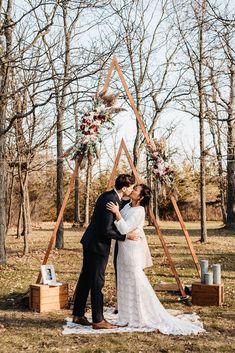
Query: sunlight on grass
{"x": 34, "y": 332}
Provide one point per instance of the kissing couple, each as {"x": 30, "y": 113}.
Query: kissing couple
{"x": 137, "y": 303}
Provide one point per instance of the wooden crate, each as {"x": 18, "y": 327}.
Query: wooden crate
{"x": 47, "y": 298}
{"x": 206, "y": 295}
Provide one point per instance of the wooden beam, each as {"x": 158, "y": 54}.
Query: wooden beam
{"x": 115, "y": 166}
{"x": 133, "y": 168}
{"x": 53, "y": 236}
{"x": 109, "y": 74}
{"x": 133, "y": 106}
{"x": 167, "y": 253}
{"x": 186, "y": 234}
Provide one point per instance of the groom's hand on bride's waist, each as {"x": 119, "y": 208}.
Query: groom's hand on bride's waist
{"x": 133, "y": 235}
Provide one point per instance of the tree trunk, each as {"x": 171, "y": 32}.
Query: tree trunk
{"x": 25, "y": 231}
{"x": 217, "y": 141}
{"x": 2, "y": 189}
{"x": 25, "y": 214}
{"x": 136, "y": 148}
{"x": 77, "y": 213}
{"x": 5, "y": 72}
{"x": 23, "y": 200}
{"x": 19, "y": 222}
{"x": 10, "y": 196}
{"x": 202, "y": 188}
{"x": 155, "y": 201}
{"x": 88, "y": 186}
{"x": 150, "y": 183}
{"x": 230, "y": 222}
{"x": 23, "y": 218}
{"x": 28, "y": 213}
{"x": 23, "y": 166}
{"x": 59, "y": 184}
{"x": 222, "y": 191}
{"x": 216, "y": 137}
{"x": 60, "y": 122}
{"x": 201, "y": 125}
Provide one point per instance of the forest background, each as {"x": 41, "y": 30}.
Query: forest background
{"x": 178, "y": 61}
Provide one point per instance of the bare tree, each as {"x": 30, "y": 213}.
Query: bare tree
{"x": 147, "y": 57}
{"x": 6, "y": 50}
{"x": 200, "y": 16}
{"x": 88, "y": 190}
{"x": 77, "y": 213}
{"x": 221, "y": 98}
{"x": 216, "y": 129}
{"x": 16, "y": 46}
{"x": 62, "y": 60}
{"x": 31, "y": 135}
{"x": 71, "y": 62}
{"x": 191, "y": 26}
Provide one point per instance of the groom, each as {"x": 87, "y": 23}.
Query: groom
{"x": 96, "y": 243}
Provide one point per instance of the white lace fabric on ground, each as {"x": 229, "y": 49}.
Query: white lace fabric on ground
{"x": 71, "y": 328}
{"x": 138, "y": 305}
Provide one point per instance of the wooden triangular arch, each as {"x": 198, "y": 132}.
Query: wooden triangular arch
{"x": 123, "y": 148}
{"x": 150, "y": 143}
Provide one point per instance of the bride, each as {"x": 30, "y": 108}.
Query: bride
{"x": 138, "y": 305}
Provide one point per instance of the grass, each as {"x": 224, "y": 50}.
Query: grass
{"x": 22, "y": 330}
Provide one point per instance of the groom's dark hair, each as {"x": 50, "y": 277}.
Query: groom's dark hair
{"x": 124, "y": 180}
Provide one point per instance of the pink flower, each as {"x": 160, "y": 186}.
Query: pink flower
{"x": 100, "y": 117}
{"x": 93, "y": 129}
{"x": 155, "y": 154}
{"x": 87, "y": 121}
{"x": 85, "y": 140}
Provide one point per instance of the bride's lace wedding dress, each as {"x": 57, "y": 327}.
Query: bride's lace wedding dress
{"x": 138, "y": 305}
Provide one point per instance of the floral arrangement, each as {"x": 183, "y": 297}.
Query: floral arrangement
{"x": 160, "y": 167}
{"x": 93, "y": 119}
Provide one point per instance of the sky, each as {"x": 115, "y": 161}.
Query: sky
{"x": 184, "y": 139}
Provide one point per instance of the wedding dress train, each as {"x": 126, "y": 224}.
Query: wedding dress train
{"x": 138, "y": 305}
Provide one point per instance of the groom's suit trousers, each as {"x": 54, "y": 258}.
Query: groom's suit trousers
{"x": 91, "y": 279}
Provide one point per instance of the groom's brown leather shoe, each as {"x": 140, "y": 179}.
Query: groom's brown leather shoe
{"x": 81, "y": 320}
{"x": 103, "y": 325}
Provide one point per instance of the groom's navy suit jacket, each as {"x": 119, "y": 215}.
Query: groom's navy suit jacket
{"x": 98, "y": 235}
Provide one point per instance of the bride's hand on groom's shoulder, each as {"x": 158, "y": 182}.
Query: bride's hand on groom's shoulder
{"x": 111, "y": 206}
{"x": 133, "y": 235}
